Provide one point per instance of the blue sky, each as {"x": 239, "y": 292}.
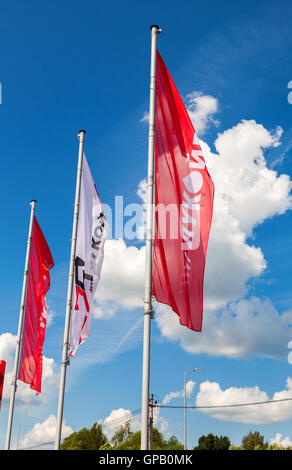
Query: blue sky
{"x": 70, "y": 66}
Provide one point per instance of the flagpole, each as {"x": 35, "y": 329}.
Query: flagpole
{"x": 148, "y": 310}
{"x": 20, "y": 327}
{"x": 65, "y": 358}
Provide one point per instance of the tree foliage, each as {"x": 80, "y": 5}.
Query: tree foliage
{"x": 124, "y": 439}
{"x": 85, "y": 439}
{"x": 122, "y": 433}
{"x": 211, "y": 442}
{"x": 254, "y": 441}
{"x": 133, "y": 442}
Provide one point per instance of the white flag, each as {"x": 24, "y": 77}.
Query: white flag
{"x": 91, "y": 234}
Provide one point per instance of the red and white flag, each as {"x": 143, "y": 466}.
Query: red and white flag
{"x": 35, "y": 316}
{"x": 184, "y": 194}
{"x": 91, "y": 235}
{"x": 2, "y": 375}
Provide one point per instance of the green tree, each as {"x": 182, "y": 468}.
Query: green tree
{"x": 78, "y": 440}
{"x": 97, "y": 437}
{"x": 211, "y": 442}
{"x": 174, "y": 444}
{"x": 254, "y": 441}
{"x": 85, "y": 439}
{"x": 134, "y": 442}
{"x": 122, "y": 433}
{"x": 278, "y": 447}
{"x": 235, "y": 447}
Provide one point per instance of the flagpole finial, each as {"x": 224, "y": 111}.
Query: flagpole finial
{"x": 33, "y": 201}
{"x": 154, "y": 26}
{"x": 81, "y": 133}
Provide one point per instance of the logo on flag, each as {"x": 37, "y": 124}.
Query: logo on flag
{"x": 181, "y": 181}
{"x": 35, "y": 316}
{"x": 91, "y": 235}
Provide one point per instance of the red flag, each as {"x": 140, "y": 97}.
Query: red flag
{"x": 35, "y": 317}
{"x": 2, "y": 374}
{"x": 184, "y": 194}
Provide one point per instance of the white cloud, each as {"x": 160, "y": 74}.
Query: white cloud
{"x": 120, "y": 416}
{"x": 286, "y": 442}
{"x": 248, "y": 327}
{"x": 25, "y": 396}
{"x": 247, "y": 192}
{"x": 159, "y": 422}
{"x": 190, "y": 384}
{"x": 50, "y": 317}
{"x": 211, "y": 394}
{"x": 44, "y": 432}
{"x": 122, "y": 279}
{"x": 201, "y": 109}
{"x": 142, "y": 193}
{"x": 7, "y": 349}
{"x": 145, "y": 117}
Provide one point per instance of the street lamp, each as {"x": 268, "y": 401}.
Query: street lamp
{"x": 20, "y": 419}
{"x": 185, "y": 420}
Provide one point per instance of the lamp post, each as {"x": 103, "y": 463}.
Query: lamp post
{"x": 18, "y": 435}
{"x": 185, "y": 420}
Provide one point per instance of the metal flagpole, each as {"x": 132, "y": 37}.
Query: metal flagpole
{"x": 185, "y": 404}
{"x": 65, "y": 358}
{"x": 148, "y": 310}
{"x": 20, "y": 328}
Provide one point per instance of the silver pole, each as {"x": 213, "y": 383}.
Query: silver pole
{"x": 18, "y": 434}
{"x": 148, "y": 310}
{"x": 65, "y": 357}
{"x": 185, "y": 400}
{"x": 20, "y": 328}
{"x": 185, "y": 422}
